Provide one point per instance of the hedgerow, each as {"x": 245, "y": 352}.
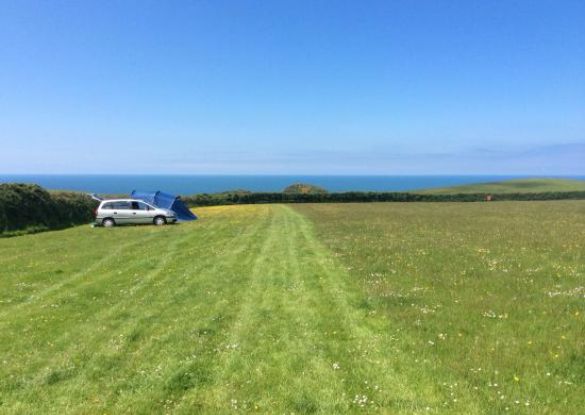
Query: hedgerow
{"x": 228, "y": 198}
{"x": 30, "y": 208}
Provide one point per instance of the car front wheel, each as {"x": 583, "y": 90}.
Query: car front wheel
{"x": 159, "y": 221}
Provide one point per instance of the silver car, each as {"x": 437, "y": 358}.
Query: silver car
{"x": 131, "y": 211}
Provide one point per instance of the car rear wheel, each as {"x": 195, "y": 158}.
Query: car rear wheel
{"x": 159, "y": 221}
{"x": 108, "y": 223}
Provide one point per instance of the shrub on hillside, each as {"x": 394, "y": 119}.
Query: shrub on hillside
{"x": 303, "y": 188}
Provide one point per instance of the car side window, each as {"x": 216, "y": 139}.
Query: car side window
{"x": 143, "y": 206}
{"x": 122, "y": 205}
{"x": 139, "y": 206}
{"x": 108, "y": 206}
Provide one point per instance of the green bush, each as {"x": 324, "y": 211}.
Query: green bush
{"x": 29, "y": 207}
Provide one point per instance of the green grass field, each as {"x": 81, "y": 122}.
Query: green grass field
{"x": 351, "y": 308}
{"x": 514, "y": 186}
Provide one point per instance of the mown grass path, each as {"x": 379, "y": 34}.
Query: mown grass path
{"x": 242, "y": 311}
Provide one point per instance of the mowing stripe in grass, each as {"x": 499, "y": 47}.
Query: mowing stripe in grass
{"x": 89, "y": 271}
{"x": 302, "y": 343}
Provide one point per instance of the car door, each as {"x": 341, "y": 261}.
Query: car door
{"x": 141, "y": 213}
{"x": 122, "y": 212}
{"x": 151, "y": 212}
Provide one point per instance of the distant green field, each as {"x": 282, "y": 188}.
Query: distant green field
{"x": 514, "y": 186}
{"x": 325, "y": 308}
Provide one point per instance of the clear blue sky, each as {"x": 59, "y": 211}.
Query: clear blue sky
{"x": 355, "y": 87}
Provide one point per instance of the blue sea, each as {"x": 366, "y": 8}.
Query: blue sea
{"x": 190, "y": 184}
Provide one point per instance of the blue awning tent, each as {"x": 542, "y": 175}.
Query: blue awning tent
{"x": 166, "y": 201}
